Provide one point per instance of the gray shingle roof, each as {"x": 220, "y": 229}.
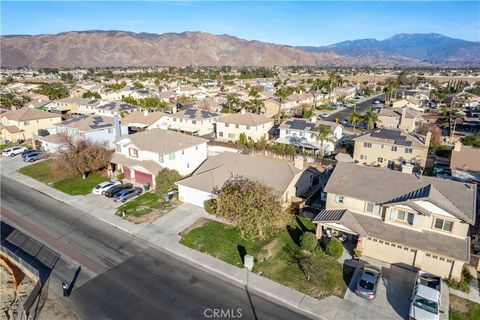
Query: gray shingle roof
{"x": 389, "y": 186}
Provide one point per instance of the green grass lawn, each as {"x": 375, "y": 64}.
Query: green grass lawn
{"x": 43, "y": 172}
{"x": 462, "y": 309}
{"x": 40, "y": 171}
{"x": 77, "y": 186}
{"x": 224, "y": 243}
{"x": 144, "y": 204}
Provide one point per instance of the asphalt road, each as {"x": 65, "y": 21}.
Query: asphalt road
{"x": 360, "y": 107}
{"x": 118, "y": 276}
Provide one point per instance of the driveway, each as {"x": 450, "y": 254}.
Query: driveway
{"x": 394, "y": 291}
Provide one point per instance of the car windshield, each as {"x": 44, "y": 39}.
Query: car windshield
{"x": 425, "y": 304}
{"x": 366, "y": 284}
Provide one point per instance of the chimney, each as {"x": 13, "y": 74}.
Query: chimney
{"x": 116, "y": 124}
{"x": 427, "y": 139}
{"x": 298, "y": 162}
{"x": 145, "y": 112}
{"x": 313, "y": 119}
{"x": 404, "y": 114}
{"x": 407, "y": 167}
{"x": 457, "y": 147}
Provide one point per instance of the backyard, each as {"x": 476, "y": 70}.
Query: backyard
{"x": 46, "y": 172}
{"x": 271, "y": 258}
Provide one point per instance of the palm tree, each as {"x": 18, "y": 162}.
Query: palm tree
{"x": 370, "y": 117}
{"x": 335, "y": 80}
{"x": 232, "y": 101}
{"x": 390, "y": 91}
{"x": 324, "y": 134}
{"x": 355, "y": 118}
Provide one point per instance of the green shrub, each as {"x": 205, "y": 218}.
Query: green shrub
{"x": 334, "y": 248}
{"x": 209, "y": 206}
{"x": 357, "y": 253}
{"x": 166, "y": 180}
{"x": 308, "y": 241}
{"x": 120, "y": 176}
{"x": 461, "y": 285}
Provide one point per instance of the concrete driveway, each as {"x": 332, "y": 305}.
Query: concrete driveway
{"x": 392, "y": 300}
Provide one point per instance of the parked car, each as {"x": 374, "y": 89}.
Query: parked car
{"x": 368, "y": 283}
{"x": 27, "y": 152}
{"x": 110, "y": 193}
{"x": 34, "y": 156}
{"x": 170, "y": 195}
{"x": 13, "y": 151}
{"x": 104, "y": 186}
{"x": 127, "y": 194}
{"x": 425, "y": 301}
{"x": 377, "y": 101}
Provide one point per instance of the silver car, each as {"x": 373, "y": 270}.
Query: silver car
{"x": 368, "y": 283}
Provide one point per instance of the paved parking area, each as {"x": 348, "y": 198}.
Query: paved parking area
{"x": 394, "y": 291}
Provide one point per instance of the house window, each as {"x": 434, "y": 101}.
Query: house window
{"x": 118, "y": 148}
{"x": 443, "y": 225}
{"x": 373, "y": 208}
{"x": 409, "y": 150}
{"x": 196, "y": 147}
{"x": 174, "y": 119}
{"x": 227, "y": 125}
{"x": 160, "y": 158}
{"x": 171, "y": 156}
{"x": 26, "y": 123}
{"x": 248, "y": 127}
{"x": 183, "y": 151}
{"x": 405, "y": 216}
{"x": 363, "y": 157}
{"x": 133, "y": 152}
{"x": 379, "y": 160}
{"x": 231, "y": 136}
{"x": 339, "y": 199}
{"x": 394, "y": 148}
{"x": 220, "y": 134}
{"x": 287, "y": 132}
{"x": 237, "y": 126}
{"x": 194, "y": 121}
{"x": 367, "y": 145}
{"x": 110, "y": 130}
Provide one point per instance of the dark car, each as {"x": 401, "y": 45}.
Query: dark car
{"x": 127, "y": 194}
{"x": 110, "y": 193}
{"x": 27, "y": 152}
{"x": 368, "y": 283}
{"x": 34, "y": 156}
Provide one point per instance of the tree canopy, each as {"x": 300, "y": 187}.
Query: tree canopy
{"x": 166, "y": 180}
{"x": 53, "y": 91}
{"x": 473, "y": 140}
{"x": 436, "y": 139}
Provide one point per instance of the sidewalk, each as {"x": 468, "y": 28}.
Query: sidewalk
{"x": 164, "y": 235}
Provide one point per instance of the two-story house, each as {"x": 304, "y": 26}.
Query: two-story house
{"x": 192, "y": 121}
{"x": 143, "y": 120}
{"x": 390, "y": 148}
{"x": 302, "y": 133}
{"x": 401, "y": 217}
{"x": 142, "y": 155}
{"x": 96, "y": 129}
{"x": 255, "y": 127}
{"x": 402, "y": 118}
{"x": 23, "y": 123}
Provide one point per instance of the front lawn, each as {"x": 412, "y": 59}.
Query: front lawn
{"x": 77, "y": 186}
{"x": 144, "y": 204}
{"x": 41, "y": 171}
{"x": 271, "y": 260}
{"x": 462, "y": 309}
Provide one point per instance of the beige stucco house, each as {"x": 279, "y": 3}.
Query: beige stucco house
{"x": 28, "y": 121}
{"x": 401, "y": 217}
{"x": 390, "y": 148}
{"x": 255, "y": 127}
{"x": 402, "y": 118}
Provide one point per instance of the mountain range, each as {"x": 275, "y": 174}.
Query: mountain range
{"x": 97, "y": 48}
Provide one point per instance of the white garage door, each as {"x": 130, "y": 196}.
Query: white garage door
{"x": 193, "y": 196}
{"x": 388, "y": 252}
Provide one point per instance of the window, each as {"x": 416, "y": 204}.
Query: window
{"x": 231, "y": 136}
{"x": 394, "y": 148}
{"x": 339, "y": 199}
{"x": 382, "y": 146}
{"x": 171, "y": 156}
{"x": 443, "y": 225}
{"x": 367, "y": 145}
{"x": 405, "y": 216}
{"x": 227, "y": 125}
{"x": 373, "y": 208}
{"x": 287, "y": 131}
{"x": 409, "y": 150}
{"x": 194, "y": 121}
{"x": 237, "y": 126}
{"x": 380, "y": 160}
{"x": 196, "y": 147}
{"x": 26, "y": 123}
{"x": 248, "y": 127}
{"x": 220, "y": 134}
{"x": 160, "y": 158}
{"x": 118, "y": 148}
{"x": 133, "y": 152}
{"x": 174, "y": 119}
{"x": 110, "y": 130}
{"x": 363, "y": 157}
{"x": 183, "y": 151}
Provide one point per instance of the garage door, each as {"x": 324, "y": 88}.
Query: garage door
{"x": 126, "y": 172}
{"x": 142, "y": 177}
{"x": 193, "y": 196}
{"x": 388, "y": 251}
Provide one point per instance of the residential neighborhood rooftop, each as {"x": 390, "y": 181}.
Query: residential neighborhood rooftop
{"x": 393, "y": 137}
{"x": 247, "y": 118}
{"x": 195, "y": 114}
{"x": 87, "y": 123}
{"x": 26, "y": 114}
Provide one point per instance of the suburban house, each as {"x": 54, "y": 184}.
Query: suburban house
{"x": 192, "y": 121}
{"x": 402, "y": 118}
{"x": 408, "y": 102}
{"x": 302, "y": 133}
{"x": 115, "y": 108}
{"x": 346, "y": 91}
{"x": 465, "y": 163}
{"x": 23, "y": 123}
{"x": 142, "y": 155}
{"x": 301, "y": 98}
{"x": 255, "y": 127}
{"x": 401, "y": 218}
{"x": 103, "y": 130}
{"x": 391, "y": 148}
{"x": 143, "y": 120}
{"x": 282, "y": 176}
{"x": 67, "y": 104}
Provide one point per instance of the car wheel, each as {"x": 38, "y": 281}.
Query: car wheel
{"x": 12, "y": 155}
{"x": 124, "y": 200}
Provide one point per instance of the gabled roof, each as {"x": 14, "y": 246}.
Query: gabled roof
{"x": 394, "y": 137}
{"x": 26, "y": 114}
{"x": 389, "y": 186}
{"x": 216, "y": 170}
{"x": 10, "y": 129}
{"x": 467, "y": 159}
{"x": 87, "y": 123}
{"x": 195, "y": 114}
{"x": 247, "y": 118}
{"x": 142, "y": 118}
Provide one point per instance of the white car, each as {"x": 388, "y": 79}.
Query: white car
{"x": 13, "y": 151}
{"x": 104, "y": 186}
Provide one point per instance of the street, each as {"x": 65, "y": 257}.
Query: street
{"x": 117, "y": 275}
{"x": 360, "y": 107}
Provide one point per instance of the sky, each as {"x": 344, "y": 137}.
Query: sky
{"x": 291, "y": 23}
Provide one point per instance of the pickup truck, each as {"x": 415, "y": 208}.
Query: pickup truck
{"x": 425, "y": 302}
